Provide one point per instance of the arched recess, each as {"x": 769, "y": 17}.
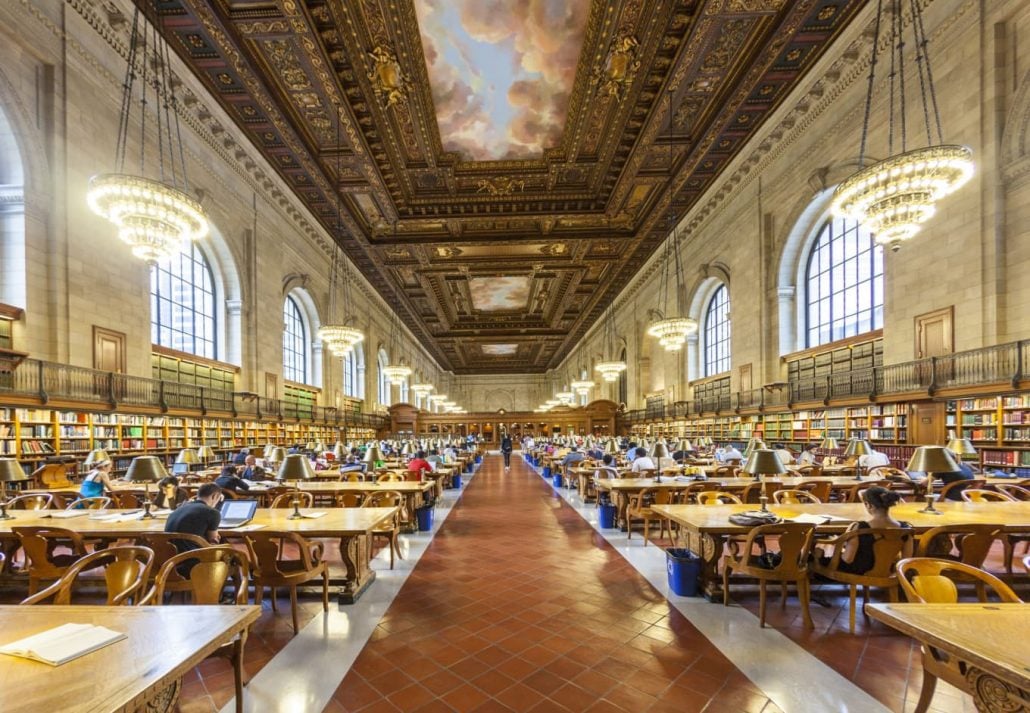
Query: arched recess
{"x": 497, "y": 399}
{"x": 228, "y": 288}
{"x": 385, "y": 389}
{"x": 712, "y": 277}
{"x": 354, "y": 372}
{"x": 312, "y": 323}
{"x": 1015, "y": 139}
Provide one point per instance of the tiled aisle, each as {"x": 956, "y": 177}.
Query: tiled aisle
{"x": 518, "y": 604}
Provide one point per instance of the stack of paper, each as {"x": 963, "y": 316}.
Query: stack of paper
{"x": 63, "y": 643}
{"x": 316, "y": 514}
{"x": 815, "y": 519}
{"x": 66, "y": 514}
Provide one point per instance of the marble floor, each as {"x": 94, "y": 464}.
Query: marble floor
{"x": 518, "y": 601}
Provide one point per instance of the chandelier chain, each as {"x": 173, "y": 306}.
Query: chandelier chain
{"x": 869, "y": 87}
{"x": 922, "y": 51}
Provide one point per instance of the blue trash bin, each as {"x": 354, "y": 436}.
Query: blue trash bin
{"x": 556, "y": 480}
{"x": 547, "y": 471}
{"x": 456, "y": 481}
{"x": 607, "y": 516}
{"x": 479, "y": 458}
{"x": 425, "y": 518}
{"x": 683, "y": 567}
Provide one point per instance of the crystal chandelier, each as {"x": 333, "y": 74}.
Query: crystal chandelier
{"x": 398, "y": 374}
{"x": 610, "y": 368}
{"x": 894, "y": 197}
{"x": 671, "y": 332}
{"x": 154, "y": 216}
{"x": 421, "y": 389}
{"x": 582, "y": 387}
{"x": 566, "y": 397}
{"x": 337, "y": 333}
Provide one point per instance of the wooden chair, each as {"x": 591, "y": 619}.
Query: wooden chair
{"x": 125, "y": 574}
{"x": 821, "y": 489}
{"x": 128, "y": 499}
{"x": 96, "y": 503}
{"x": 355, "y": 477}
{"x": 285, "y": 500}
{"x": 389, "y": 477}
{"x": 726, "y": 471}
{"x": 689, "y": 494}
{"x": 931, "y": 581}
{"x": 164, "y": 548}
{"x": 640, "y": 509}
{"x": 795, "y": 542}
{"x": 810, "y": 471}
{"x": 717, "y": 497}
{"x": 853, "y": 494}
{"x": 889, "y": 545}
{"x": 1016, "y": 492}
{"x": 33, "y": 501}
{"x": 270, "y": 569}
{"x": 789, "y": 496}
{"x": 753, "y": 491}
{"x": 966, "y": 544}
{"x": 213, "y": 567}
{"x": 389, "y": 527}
{"x": 979, "y": 495}
{"x": 645, "y": 473}
{"x": 41, "y": 559}
{"x": 958, "y": 486}
{"x": 349, "y": 500}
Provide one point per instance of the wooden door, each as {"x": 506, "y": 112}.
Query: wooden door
{"x": 926, "y": 423}
{"x": 271, "y": 386}
{"x": 934, "y": 333}
{"x": 108, "y": 350}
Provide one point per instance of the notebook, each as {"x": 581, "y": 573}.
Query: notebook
{"x": 63, "y": 643}
{"x": 237, "y": 512}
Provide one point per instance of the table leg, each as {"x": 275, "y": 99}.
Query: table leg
{"x": 354, "y": 551}
{"x": 710, "y": 548}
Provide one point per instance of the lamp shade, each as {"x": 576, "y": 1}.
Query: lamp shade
{"x": 206, "y": 453}
{"x": 267, "y": 453}
{"x": 339, "y": 452}
{"x": 685, "y": 445}
{"x": 372, "y": 455}
{"x": 763, "y": 461}
{"x": 932, "y": 459}
{"x": 145, "y": 469}
{"x": 961, "y": 447}
{"x": 829, "y": 444}
{"x": 858, "y": 447}
{"x": 319, "y": 447}
{"x": 310, "y": 446}
{"x": 97, "y": 455}
{"x": 612, "y": 447}
{"x": 11, "y": 471}
{"x": 296, "y": 467}
{"x": 188, "y": 456}
{"x": 660, "y": 450}
{"x": 753, "y": 445}
{"x": 278, "y": 455}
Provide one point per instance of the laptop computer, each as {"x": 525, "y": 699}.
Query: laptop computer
{"x": 237, "y": 512}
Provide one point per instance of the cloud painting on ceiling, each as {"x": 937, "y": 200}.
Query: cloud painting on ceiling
{"x": 501, "y": 72}
{"x": 500, "y": 349}
{"x": 494, "y": 294}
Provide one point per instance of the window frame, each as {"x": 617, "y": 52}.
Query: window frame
{"x": 716, "y": 356}
{"x": 198, "y": 260}
{"x": 290, "y": 372}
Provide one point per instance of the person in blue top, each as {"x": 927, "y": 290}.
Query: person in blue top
{"x": 97, "y": 480}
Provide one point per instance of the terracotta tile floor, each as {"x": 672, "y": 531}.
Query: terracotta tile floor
{"x": 518, "y": 605}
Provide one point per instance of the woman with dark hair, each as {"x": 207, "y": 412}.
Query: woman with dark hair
{"x": 169, "y": 496}
{"x": 859, "y": 555}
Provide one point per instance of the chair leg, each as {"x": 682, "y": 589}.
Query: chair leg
{"x": 647, "y": 528}
{"x": 926, "y": 692}
{"x": 293, "y": 608}
{"x": 325, "y": 589}
{"x": 761, "y": 603}
{"x": 1009, "y": 553}
{"x": 783, "y": 594}
{"x": 852, "y": 596}
{"x": 725, "y": 583}
{"x": 275, "y": 600}
{"x": 237, "y": 670}
{"x": 805, "y": 594}
{"x": 259, "y": 594}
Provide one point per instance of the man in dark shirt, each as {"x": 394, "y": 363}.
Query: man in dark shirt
{"x": 964, "y": 472}
{"x": 241, "y": 457}
{"x": 230, "y": 481}
{"x": 197, "y": 517}
{"x": 252, "y": 471}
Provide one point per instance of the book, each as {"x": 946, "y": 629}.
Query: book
{"x": 63, "y": 643}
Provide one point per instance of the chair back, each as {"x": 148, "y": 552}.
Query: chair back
{"x": 389, "y": 477}
{"x": 39, "y": 544}
{"x": 717, "y": 497}
{"x": 643, "y": 473}
{"x": 128, "y": 499}
{"x": 753, "y": 491}
{"x": 888, "y": 547}
{"x": 790, "y": 496}
{"x": 958, "y": 486}
{"x": 125, "y": 574}
{"x": 820, "y": 489}
{"x": 1016, "y": 492}
{"x": 810, "y": 471}
{"x": 689, "y": 494}
{"x": 230, "y": 494}
{"x": 383, "y": 499}
{"x": 726, "y": 471}
{"x": 980, "y": 495}
{"x": 854, "y": 494}
{"x": 205, "y": 581}
{"x": 889, "y": 472}
{"x": 794, "y": 540}
{"x": 927, "y": 580}
{"x": 33, "y": 501}
{"x": 349, "y": 500}
{"x": 266, "y": 548}
{"x": 354, "y": 477}
{"x": 968, "y": 544}
{"x": 413, "y": 476}
{"x": 285, "y": 500}
{"x": 96, "y": 503}
{"x": 164, "y": 548}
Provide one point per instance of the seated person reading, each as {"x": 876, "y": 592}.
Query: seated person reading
{"x": 199, "y": 516}
{"x": 169, "y": 496}
{"x": 859, "y": 553}
{"x": 230, "y": 481}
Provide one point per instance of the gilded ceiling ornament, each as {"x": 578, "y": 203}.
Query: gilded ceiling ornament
{"x": 388, "y": 81}
{"x": 500, "y": 185}
{"x": 620, "y": 67}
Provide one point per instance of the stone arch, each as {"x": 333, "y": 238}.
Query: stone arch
{"x": 1015, "y": 138}
{"x": 312, "y": 322}
{"x": 497, "y": 399}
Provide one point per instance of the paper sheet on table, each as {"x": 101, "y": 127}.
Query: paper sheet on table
{"x": 816, "y": 519}
{"x": 68, "y": 514}
{"x": 316, "y": 514}
{"x": 242, "y": 528}
{"x": 63, "y": 643}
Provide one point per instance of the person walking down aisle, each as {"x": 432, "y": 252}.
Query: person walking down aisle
{"x": 506, "y": 451}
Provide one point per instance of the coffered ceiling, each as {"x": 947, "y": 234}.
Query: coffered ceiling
{"x": 500, "y": 264}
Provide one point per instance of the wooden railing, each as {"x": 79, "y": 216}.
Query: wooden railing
{"x": 62, "y": 385}
{"x": 1004, "y": 365}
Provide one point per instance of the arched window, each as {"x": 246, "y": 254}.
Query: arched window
{"x": 382, "y": 362}
{"x": 182, "y": 303}
{"x": 354, "y": 373}
{"x": 717, "y": 333}
{"x": 403, "y": 392}
{"x": 295, "y": 343}
{"x": 843, "y": 283}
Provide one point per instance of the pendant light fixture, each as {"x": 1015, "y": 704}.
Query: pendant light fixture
{"x": 895, "y": 196}
{"x": 337, "y": 333}
{"x": 154, "y": 213}
{"x": 610, "y": 368}
{"x": 671, "y": 331}
{"x": 397, "y": 373}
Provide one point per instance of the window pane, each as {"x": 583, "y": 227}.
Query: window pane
{"x": 844, "y": 283}
{"x": 295, "y": 356}
{"x": 717, "y": 333}
{"x": 182, "y": 303}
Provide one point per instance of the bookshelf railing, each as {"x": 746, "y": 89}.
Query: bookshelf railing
{"x": 1001, "y": 365}
{"x": 47, "y": 382}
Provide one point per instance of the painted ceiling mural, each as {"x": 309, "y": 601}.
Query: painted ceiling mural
{"x": 491, "y": 294}
{"x": 501, "y": 72}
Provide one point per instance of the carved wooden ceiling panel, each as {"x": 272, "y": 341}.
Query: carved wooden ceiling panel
{"x": 500, "y": 266}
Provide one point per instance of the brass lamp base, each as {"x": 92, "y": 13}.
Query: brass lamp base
{"x": 930, "y": 509}
{"x": 3, "y": 513}
{"x": 295, "y": 515}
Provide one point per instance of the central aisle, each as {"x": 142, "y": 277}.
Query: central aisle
{"x": 519, "y": 605}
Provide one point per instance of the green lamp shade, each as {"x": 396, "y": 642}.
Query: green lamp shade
{"x": 296, "y": 466}
{"x": 764, "y": 461}
{"x": 145, "y": 469}
{"x": 685, "y": 445}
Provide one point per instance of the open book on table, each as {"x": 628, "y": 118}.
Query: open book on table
{"x": 62, "y": 644}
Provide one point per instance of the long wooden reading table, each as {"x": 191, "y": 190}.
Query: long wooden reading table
{"x": 706, "y": 527}
{"x": 142, "y": 672}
